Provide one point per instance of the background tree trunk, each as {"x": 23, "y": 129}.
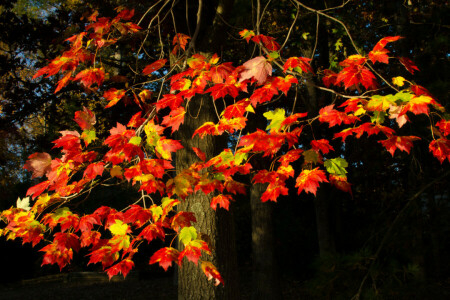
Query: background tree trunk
{"x": 218, "y": 227}
{"x": 265, "y": 284}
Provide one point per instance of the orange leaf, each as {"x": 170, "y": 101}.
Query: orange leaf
{"x": 309, "y": 180}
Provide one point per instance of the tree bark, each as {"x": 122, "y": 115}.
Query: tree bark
{"x": 218, "y": 227}
{"x": 265, "y": 284}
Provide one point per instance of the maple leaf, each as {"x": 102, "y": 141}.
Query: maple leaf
{"x": 123, "y": 267}
{"x": 267, "y": 41}
{"x": 220, "y": 90}
{"x": 63, "y": 81}
{"x": 384, "y": 41}
{"x": 322, "y": 145}
{"x": 329, "y": 78}
{"x": 113, "y": 95}
{"x": 341, "y": 183}
{"x": 23, "y": 203}
{"x": 403, "y": 143}
{"x": 92, "y": 76}
{"x": 440, "y": 149}
{"x": 182, "y": 219}
{"x": 85, "y": 119}
{"x": 356, "y": 74}
{"x": 165, "y": 256}
{"x": 444, "y": 126}
{"x": 380, "y": 103}
{"x": 336, "y": 166}
{"x": 220, "y": 73}
{"x": 208, "y": 128}
{"x": 379, "y": 55}
{"x": 211, "y": 272}
{"x": 165, "y": 147}
{"x": 408, "y": 64}
{"x": 418, "y": 105}
{"x": 180, "y": 40}
{"x": 174, "y": 119}
{"x": 192, "y": 251}
{"x": 258, "y": 68}
{"x": 200, "y": 154}
{"x": 301, "y": 63}
{"x": 275, "y": 118}
{"x": 152, "y": 232}
{"x": 94, "y": 170}
{"x": 290, "y": 156}
{"x": 263, "y": 94}
{"x": 247, "y": 34}
{"x": 155, "y": 66}
{"x": 309, "y": 180}
{"x": 221, "y": 200}
{"x": 38, "y": 189}
{"x": 334, "y": 117}
{"x": 39, "y": 164}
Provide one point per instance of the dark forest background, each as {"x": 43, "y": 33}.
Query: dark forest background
{"x": 393, "y": 232}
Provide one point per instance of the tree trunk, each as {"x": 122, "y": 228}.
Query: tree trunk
{"x": 192, "y": 283}
{"x": 266, "y": 284}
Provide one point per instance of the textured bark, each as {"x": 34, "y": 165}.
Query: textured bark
{"x": 192, "y": 283}
{"x": 266, "y": 284}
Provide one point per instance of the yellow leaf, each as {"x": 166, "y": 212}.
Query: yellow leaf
{"x": 398, "y": 81}
{"x": 118, "y": 228}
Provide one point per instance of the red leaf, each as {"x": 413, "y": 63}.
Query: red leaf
{"x": 408, "y": 64}
{"x": 85, "y": 119}
{"x": 182, "y": 219}
{"x": 403, "y": 143}
{"x": 94, "y": 170}
{"x": 211, "y": 272}
{"x": 329, "y": 78}
{"x": 309, "y": 180}
{"x": 322, "y": 145}
{"x": 199, "y": 153}
{"x": 334, "y": 117}
{"x": 258, "y": 68}
{"x": 192, "y": 251}
{"x": 379, "y": 55}
{"x": 39, "y": 164}
{"x": 113, "y": 95}
{"x": 154, "y": 66}
{"x": 384, "y": 41}
{"x": 356, "y": 74}
{"x": 174, "y": 119}
{"x": 221, "y": 200}
{"x": 300, "y": 62}
{"x": 440, "y": 149}
{"x": 152, "y": 232}
{"x": 92, "y": 76}
{"x": 136, "y": 120}
{"x": 123, "y": 267}
{"x": 38, "y": 189}
{"x": 165, "y": 257}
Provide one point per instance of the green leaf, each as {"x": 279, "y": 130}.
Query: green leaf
{"x": 156, "y": 211}
{"x": 305, "y": 35}
{"x": 275, "y": 117}
{"x": 135, "y": 140}
{"x": 274, "y": 55}
{"x": 188, "y": 234}
{"x": 88, "y": 136}
{"x": 336, "y": 166}
{"x": 403, "y": 97}
{"x": 118, "y": 228}
{"x": 378, "y": 117}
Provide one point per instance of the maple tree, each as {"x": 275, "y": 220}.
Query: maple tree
{"x": 141, "y": 152}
